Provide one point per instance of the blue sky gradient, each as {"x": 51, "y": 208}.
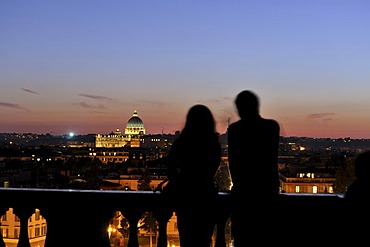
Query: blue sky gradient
{"x": 85, "y": 66}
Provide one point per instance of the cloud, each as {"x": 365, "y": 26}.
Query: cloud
{"x": 29, "y": 91}
{"x": 154, "y": 102}
{"x": 13, "y": 106}
{"x": 97, "y": 97}
{"x": 87, "y": 106}
{"x": 220, "y": 100}
{"x": 321, "y": 116}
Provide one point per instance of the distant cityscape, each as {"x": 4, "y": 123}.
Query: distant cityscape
{"x": 130, "y": 151}
{"x": 295, "y": 154}
{"x": 308, "y": 143}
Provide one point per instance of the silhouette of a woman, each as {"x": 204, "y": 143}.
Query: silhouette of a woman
{"x": 193, "y": 161}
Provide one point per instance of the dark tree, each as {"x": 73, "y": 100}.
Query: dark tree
{"x": 150, "y": 224}
{"x": 222, "y": 178}
{"x": 344, "y": 175}
{"x": 144, "y": 182}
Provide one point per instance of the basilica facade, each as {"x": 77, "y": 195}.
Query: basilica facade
{"x": 130, "y": 138}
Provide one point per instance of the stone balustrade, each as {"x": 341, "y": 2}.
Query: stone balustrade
{"x": 81, "y": 217}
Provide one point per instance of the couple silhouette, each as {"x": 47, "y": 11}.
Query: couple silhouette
{"x": 193, "y": 161}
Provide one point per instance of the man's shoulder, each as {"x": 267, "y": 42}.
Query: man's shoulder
{"x": 232, "y": 125}
{"x": 264, "y": 121}
{"x": 271, "y": 122}
{"x": 235, "y": 125}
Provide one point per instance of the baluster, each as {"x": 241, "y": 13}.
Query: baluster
{"x": 60, "y": 223}
{"x": 162, "y": 215}
{"x": 76, "y": 226}
{"x": 223, "y": 215}
{"x": 133, "y": 216}
{"x": 100, "y": 223}
{"x": 24, "y": 214}
{"x": 220, "y": 234}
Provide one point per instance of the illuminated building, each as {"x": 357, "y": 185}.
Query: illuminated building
{"x": 135, "y": 126}
{"x": 310, "y": 180}
{"x": 130, "y": 138}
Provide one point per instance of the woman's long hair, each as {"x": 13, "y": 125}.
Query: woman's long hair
{"x": 199, "y": 121}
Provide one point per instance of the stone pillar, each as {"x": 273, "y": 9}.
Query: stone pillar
{"x": 24, "y": 213}
{"x": 133, "y": 216}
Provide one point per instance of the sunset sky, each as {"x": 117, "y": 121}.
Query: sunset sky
{"x": 86, "y": 66}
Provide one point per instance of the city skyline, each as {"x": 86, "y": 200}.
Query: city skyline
{"x": 86, "y": 66}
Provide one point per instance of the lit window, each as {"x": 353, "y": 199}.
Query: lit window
{"x": 297, "y": 189}
{"x": 331, "y": 190}
{"x": 37, "y": 231}
{"x": 4, "y": 232}
{"x": 314, "y": 189}
{"x": 30, "y": 232}
{"x": 43, "y": 229}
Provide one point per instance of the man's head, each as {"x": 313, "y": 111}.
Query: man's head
{"x": 247, "y": 104}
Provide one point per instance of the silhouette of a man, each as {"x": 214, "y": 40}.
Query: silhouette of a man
{"x": 253, "y": 143}
{"x": 357, "y": 201}
{"x": 359, "y": 188}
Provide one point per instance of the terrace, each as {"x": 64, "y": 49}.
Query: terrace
{"x": 81, "y": 217}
